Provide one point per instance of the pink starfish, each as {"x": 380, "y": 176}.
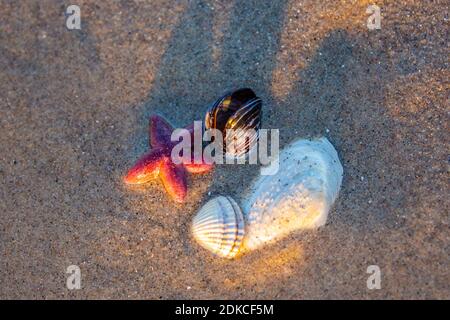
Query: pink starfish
{"x": 158, "y": 161}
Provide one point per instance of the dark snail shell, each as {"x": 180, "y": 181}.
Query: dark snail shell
{"x": 238, "y": 112}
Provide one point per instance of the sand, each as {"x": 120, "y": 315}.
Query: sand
{"x": 74, "y": 112}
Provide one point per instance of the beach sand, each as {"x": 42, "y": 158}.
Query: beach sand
{"x": 74, "y": 117}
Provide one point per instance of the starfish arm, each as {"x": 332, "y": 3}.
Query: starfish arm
{"x": 198, "y": 168}
{"x": 174, "y": 179}
{"x": 146, "y": 168}
{"x": 160, "y": 131}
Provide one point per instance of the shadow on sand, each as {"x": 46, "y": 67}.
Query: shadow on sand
{"x": 340, "y": 93}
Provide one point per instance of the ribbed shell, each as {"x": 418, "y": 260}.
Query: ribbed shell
{"x": 219, "y": 227}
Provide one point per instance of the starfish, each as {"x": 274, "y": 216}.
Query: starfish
{"x": 158, "y": 162}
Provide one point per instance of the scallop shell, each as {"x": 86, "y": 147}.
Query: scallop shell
{"x": 219, "y": 227}
{"x": 298, "y": 196}
{"x": 237, "y": 115}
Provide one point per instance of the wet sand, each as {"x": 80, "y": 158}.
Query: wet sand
{"x": 74, "y": 114}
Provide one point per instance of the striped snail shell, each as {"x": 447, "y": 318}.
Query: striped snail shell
{"x": 237, "y": 115}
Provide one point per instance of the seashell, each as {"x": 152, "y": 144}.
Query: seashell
{"x": 238, "y": 113}
{"x": 219, "y": 227}
{"x": 299, "y": 196}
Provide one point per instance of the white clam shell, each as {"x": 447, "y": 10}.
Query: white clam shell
{"x": 298, "y": 196}
{"x": 219, "y": 227}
